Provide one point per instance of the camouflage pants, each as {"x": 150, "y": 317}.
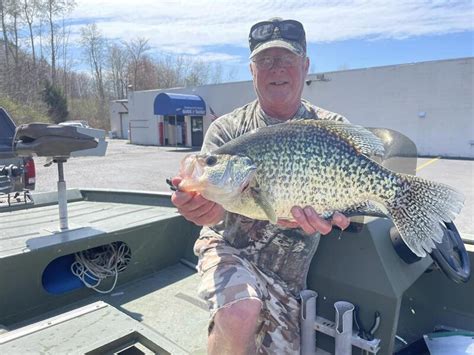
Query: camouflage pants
{"x": 227, "y": 278}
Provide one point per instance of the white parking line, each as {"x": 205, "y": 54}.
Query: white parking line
{"x": 424, "y": 165}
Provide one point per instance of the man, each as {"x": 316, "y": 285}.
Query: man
{"x": 253, "y": 271}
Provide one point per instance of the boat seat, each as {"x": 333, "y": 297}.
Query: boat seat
{"x": 50, "y": 140}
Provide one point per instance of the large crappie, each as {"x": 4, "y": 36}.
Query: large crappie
{"x": 323, "y": 164}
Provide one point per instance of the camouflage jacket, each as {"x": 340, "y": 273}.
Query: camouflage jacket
{"x": 283, "y": 254}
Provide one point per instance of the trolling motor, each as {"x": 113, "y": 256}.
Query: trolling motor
{"x": 59, "y": 143}
{"x": 450, "y": 255}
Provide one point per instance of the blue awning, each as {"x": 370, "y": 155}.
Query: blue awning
{"x": 179, "y": 104}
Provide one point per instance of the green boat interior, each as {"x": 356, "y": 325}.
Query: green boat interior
{"x": 365, "y": 292}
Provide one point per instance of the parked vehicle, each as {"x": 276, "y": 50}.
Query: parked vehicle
{"x": 75, "y": 123}
{"x": 16, "y": 174}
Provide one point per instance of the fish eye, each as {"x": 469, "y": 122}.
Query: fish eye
{"x": 211, "y": 160}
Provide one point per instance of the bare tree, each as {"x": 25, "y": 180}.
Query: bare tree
{"x": 147, "y": 76}
{"x": 198, "y": 72}
{"x": 94, "y": 47}
{"x": 52, "y": 10}
{"x": 30, "y": 10}
{"x": 5, "y": 69}
{"x": 40, "y": 33}
{"x": 137, "y": 49}
{"x": 10, "y": 27}
{"x": 23, "y": 66}
{"x": 14, "y": 12}
{"x": 187, "y": 71}
{"x": 231, "y": 74}
{"x": 117, "y": 59}
{"x": 3, "y": 14}
{"x": 216, "y": 73}
{"x": 172, "y": 71}
{"x": 67, "y": 61}
{"x": 81, "y": 86}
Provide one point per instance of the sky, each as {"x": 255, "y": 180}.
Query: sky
{"x": 340, "y": 34}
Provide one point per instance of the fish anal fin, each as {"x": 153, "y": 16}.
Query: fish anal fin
{"x": 366, "y": 208}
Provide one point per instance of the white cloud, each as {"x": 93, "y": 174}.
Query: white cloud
{"x": 198, "y": 27}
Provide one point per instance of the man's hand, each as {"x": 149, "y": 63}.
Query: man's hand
{"x": 310, "y": 222}
{"x": 196, "y": 208}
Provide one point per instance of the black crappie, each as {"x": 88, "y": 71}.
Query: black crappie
{"x": 323, "y": 164}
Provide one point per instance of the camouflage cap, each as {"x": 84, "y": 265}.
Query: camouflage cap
{"x": 276, "y": 32}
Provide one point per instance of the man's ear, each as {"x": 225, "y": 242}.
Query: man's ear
{"x": 306, "y": 65}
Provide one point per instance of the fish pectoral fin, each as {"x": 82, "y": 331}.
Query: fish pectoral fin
{"x": 262, "y": 201}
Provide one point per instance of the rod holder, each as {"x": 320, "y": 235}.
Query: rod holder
{"x": 308, "y": 317}
{"x": 341, "y": 330}
{"x": 343, "y": 336}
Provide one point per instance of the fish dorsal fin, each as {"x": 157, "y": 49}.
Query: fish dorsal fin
{"x": 361, "y": 139}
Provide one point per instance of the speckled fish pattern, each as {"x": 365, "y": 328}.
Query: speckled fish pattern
{"x": 327, "y": 165}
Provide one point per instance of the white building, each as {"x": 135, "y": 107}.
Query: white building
{"x": 430, "y": 102}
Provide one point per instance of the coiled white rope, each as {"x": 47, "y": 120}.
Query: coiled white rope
{"x": 100, "y": 263}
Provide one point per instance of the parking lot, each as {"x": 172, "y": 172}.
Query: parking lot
{"x": 125, "y": 166}
{"x": 134, "y": 167}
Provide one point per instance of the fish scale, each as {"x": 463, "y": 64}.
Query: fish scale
{"x": 311, "y": 166}
{"x": 323, "y": 164}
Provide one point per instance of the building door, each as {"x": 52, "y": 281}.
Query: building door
{"x": 197, "y": 131}
{"x": 124, "y": 125}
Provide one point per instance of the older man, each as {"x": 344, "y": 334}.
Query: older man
{"x": 253, "y": 271}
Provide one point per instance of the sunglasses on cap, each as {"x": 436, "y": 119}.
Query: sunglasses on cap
{"x": 288, "y": 29}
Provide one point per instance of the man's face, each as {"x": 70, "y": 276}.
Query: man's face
{"x": 280, "y": 85}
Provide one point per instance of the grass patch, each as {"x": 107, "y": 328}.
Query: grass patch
{"x": 21, "y": 113}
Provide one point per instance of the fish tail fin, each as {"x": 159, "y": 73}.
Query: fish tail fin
{"x": 418, "y": 210}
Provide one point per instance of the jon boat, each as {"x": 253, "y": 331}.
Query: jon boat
{"x": 366, "y": 292}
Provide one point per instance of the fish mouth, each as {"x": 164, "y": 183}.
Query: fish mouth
{"x": 188, "y": 185}
{"x": 187, "y": 165}
{"x": 190, "y": 172}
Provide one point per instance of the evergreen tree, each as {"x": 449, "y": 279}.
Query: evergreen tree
{"x": 56, "y": 102}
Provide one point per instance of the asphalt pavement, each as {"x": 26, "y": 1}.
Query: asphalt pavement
{"x": 125, "y": 166}
{"x": 145, "y": 168}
